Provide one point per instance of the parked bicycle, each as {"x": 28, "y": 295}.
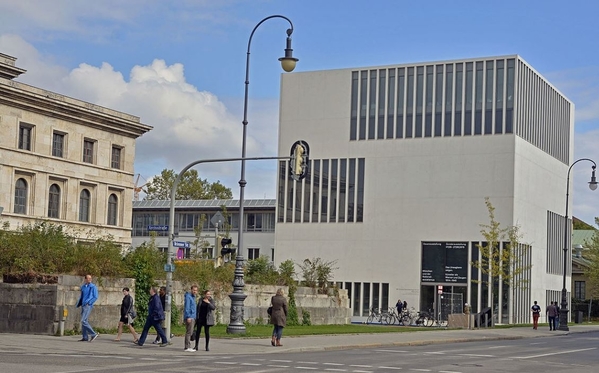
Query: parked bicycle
{"x": 400, "y": 319}
{"x": 425, "y": 318}
{"x": 382, "y": 317}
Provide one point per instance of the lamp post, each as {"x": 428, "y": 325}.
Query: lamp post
{"x": 236, "y": 325}
{"x": 563, "y": 313}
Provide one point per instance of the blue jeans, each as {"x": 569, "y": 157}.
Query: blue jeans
{"x": 150, "y": 322}
{"x": 551, "y": 322}
{"x": 277, "y": 332}
{"x": 86, "y": 329}
{"x": 556, "y": 324}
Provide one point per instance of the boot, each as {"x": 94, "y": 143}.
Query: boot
{"x": 272, "y": 342}
{"x": 279, "y": 342}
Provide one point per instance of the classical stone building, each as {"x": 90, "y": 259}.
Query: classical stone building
{"x": 64, "y": 160}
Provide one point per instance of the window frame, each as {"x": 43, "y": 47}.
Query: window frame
{"x": 84, "y": 205}
{"x": 25, "y": 140}
{"x": 112, "y": 210}
{"x": 54, "y": 201}
{"x": 89, "y": 146}
{"x": 20, "y": 196}
{"x": 116, "y": 162}
{"x": 58, "y": 151}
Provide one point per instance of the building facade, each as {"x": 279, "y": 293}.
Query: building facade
{"x": 64, "y": 160}
{"x": 402, "y": 160}
{"x": 214, "y": 218}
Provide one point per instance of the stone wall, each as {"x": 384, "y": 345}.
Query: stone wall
{"x": 39, "y": 308}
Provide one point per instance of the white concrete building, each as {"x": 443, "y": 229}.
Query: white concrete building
{"x": 402, "y": 159}
{"x": 64, "y": 160}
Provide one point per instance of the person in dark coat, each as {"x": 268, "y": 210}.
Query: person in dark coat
{"x": 278, "y": 317}
{"x": 126, "y": 307}
{"x": 162, "y": 295}
{"x": 155, "y": 317}
{"x": 205, "y": 318}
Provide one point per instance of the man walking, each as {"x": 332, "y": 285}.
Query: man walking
{"x": 155, "y": 317}
{"x": 551, "y": 313}
{"x": 89, "y": 295}
{"x": 536, "y": 312}
{"x": 189, "y": 315}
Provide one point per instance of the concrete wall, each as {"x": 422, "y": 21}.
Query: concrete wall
{"x": 38, "y": 308}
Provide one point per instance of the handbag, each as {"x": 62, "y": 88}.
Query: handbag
{"x": 269, "y": 311}
{"x": 132, "y": 313}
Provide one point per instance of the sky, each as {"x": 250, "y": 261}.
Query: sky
{"x": 180, "y": 65}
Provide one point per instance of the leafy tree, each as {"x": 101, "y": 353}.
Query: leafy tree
{"x": 592, "y": 271}
{"x": 190, "y": 187}
{"x": 500, "y": 258}
{"x": 318, "y": 273}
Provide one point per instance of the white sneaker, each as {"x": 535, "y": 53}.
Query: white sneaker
{"x": 190, "y": 350}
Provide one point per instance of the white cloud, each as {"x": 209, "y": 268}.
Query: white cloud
{"x": 189, "y": 124}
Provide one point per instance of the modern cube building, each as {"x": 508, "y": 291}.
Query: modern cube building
{"x": 64, "y": 160}
{"x": 402, "y": 160}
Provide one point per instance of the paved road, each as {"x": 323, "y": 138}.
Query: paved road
{"x": 492, "y": 350}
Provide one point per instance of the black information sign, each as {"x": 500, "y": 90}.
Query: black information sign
{"x": 445, "y": 262}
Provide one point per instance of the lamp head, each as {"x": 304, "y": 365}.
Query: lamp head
{"x": 593, "y": 182}
{"x": 288, "y": 62}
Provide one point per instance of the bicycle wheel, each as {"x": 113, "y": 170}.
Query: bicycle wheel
{"x": 388, "y": 319}
{"x": 442, "y": 323}
{"x": 406, "y": 320}
{"x": 369, "y": 319}
{"x": 428, "y": 321}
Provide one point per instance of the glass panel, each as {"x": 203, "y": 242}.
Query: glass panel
{"x": 509, "y": 112}
{"x": 57, "y": 144}
{"x": 112, "y": 209}
{"x": 428, "y": 117}
{"x": 316, "y": 191}
{"x": 399, "y": 124}
{"x": 54, "y": 201}
{"x": 351, "y": 190}
{"x": 419, "y": 101}
{"x": 342, "y": 188}
{"x": 410, "y": 103}
{"x": 391, "y": 104}
{"x": 489, "y": 99}
{"x": 84, "y": 200}
{"x": 290, "y": 188}
{"x": 25, "y": 137}
{"x": 298, "y": 200}
{"x": 116, "y": 157}
{"x": 353, "y": 126}
{"x": 363, "y": 103}
{"x": 439, "y": 100}
{"x": 360, "y": 194}
{"x": 21, "y": 197}
{"x": 366, "y": 298}
{"x": 380, "y": 134}
{"x": 376, "y": 297}
{"x": 478, "y": 103}
{"x": 333, "y": 195}
{"x": 372, "y": 105}
{"x": 469, "y": 102}
{"x": 357, "y": 297}
{"x": 448, "y": 99}
{"x": 307, "y": 194}
{"x": 457, "y": 122}
{"x": 281, "y": 202}
{"x": 385, "y": 296}
{"x": 325, "y": 190}
{"x": 499, "y": 98}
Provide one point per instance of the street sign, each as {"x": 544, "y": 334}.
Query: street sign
{"x": 185, "y": 245}
{"x": 218, "y": 219}
{"x": 160, "y": 228}
{"x": 169, "y": 268}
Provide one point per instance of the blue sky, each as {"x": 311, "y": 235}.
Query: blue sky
{"x": 180, "y": 65}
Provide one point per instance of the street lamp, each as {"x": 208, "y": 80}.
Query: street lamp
{"x": 563, "y": 313}
{"x": 236, "y": 325}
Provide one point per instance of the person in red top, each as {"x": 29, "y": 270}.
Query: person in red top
{"x": 536, "y": 312}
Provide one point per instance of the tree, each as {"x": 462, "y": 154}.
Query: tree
{"x": 592, "y": 271}
{"x": 191, "y": 186}
{"x": 500, "y": 256}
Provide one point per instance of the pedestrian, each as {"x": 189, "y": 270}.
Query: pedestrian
{"x": 399, "y": 306}
{"x": 557, "y": 309}
{"x": 162, "y": 295}
{"x": 205, "y": 318}
{"x": 154, "y": 319}
{"x": 126, "y": 319}
{"x": 551, "y": 312}
{"x": 278, "y": 317}
{"x": 89, "y": 296}
{"x": 189, "y": 315}
{"x": 536, "y": 312}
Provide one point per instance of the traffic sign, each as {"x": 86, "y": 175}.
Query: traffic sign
{"x": 160, "y": 228}
{"x": 185, "y": 245}
{"x": 217, "y": 219}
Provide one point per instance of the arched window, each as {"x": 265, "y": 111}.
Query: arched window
{"x": 112, "y": 209}
{"x": 21, "y": 196}
{"x": 84, "y": 203}
{"x": 54, "y": 201}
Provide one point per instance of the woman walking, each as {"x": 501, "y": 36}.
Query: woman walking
{"x": 126, "y": 307}
{"x": 278, "y": 317}
{"x": 205, "y": 318}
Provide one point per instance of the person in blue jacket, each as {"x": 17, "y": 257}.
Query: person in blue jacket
{"x": 155, "y": 317}
{"x": 189, "y": 315}
{"x": 89, "y": 296}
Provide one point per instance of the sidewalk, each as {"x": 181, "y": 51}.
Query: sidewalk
{"x": 105, "y": 343}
